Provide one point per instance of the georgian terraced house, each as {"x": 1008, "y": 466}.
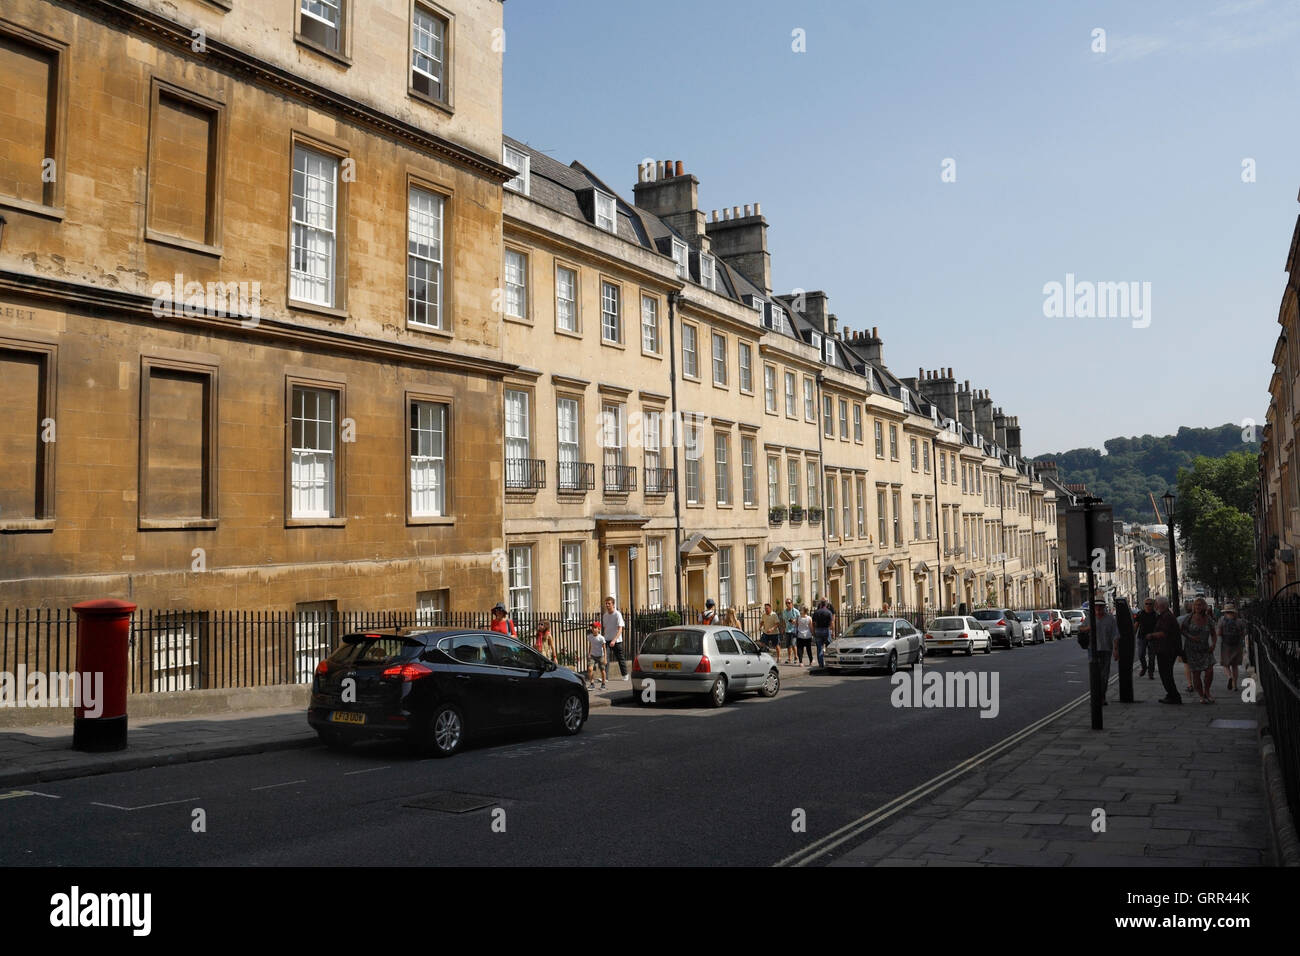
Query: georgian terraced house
{"x": 459, "y": 371}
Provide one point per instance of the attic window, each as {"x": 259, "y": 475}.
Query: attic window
{"x": 830, "y": 351}
{"x": 681, "y": 256}
{"x": 605, "y": 212}
{"x": 519, "y": 162}
{"x": 780, "y": 322}
{"x": 708, "y": 277}
{"x": 816, "y": 340}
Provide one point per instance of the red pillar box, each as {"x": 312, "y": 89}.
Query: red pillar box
{"x": 103, "y": 632}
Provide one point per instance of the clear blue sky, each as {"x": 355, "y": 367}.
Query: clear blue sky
{"x": 1117, "y": 166}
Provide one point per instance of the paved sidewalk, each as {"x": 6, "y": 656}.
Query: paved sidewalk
{"x": 1179, "y": 787}
{"x": 33, "y": 754}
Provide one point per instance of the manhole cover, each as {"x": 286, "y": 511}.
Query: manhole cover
{"x": 1235, "y": 724}
{"x": 448, "y": 801}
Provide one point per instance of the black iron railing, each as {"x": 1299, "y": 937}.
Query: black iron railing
{"x": 1273, "y": 636}
{"x": 525, "y": 474}
{"x": 620, "y": 479}
{"x": 576, "y": 476}
{"x": 659, "y": 481}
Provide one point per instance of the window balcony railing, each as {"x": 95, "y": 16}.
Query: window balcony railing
{"x": 660, "y": 481}
{"x": 620, "y": 479}
{"x": 575, "y": 476}
{"x": 525, "y": 474}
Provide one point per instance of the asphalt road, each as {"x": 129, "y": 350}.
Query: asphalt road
{"x": 673, "y": 784}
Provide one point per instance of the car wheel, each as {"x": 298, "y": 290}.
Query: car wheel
{"x": 772, "y": 686}
{"x": 570, "y": 721}
{"x": 333, "y": 739}
{"x": 970, "y": 648}
{"x": 988, "y": 646}
{"x": 718, "y": 692}
{"x": 892, "y": 666}
{"x": 445, "y": 731}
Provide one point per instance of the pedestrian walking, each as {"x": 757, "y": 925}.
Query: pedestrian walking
{"x": 1199, "y": 637}
{"x": 771, "y": 628}
{"x": 611, "y": 625}
{"x": 804, "y": 635}
{"x": 823, "y": 626}
{"x": 710, "y": 613}
{"x": 1124, "y": 650}
{"x": 501, "y": 622}
{"x": 790, "y": 630}
{"x": 1187, "y": 668}
{"x": 596, "y": 655}
{"x": 1232, "y": 642}
{"x": 729, "y": 619}
{"x": 544, "y": 643}
{"x": 1106, "y": 642}
{"x": 1146, "y": 651}
{"x": 1168, "y": 639}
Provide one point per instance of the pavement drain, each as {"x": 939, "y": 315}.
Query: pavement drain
{"x": 1235, "y": 724}
{"x": 449, "y": 801}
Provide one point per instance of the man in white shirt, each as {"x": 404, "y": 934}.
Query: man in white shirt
{"x": 611, "y": 625}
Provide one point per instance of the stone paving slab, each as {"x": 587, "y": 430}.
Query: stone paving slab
{"x": 1176, "y": 792}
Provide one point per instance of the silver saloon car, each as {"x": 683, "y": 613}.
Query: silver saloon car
{"x": 875, "y": 642}
{"x": 954, "y": 634}
{"x": 710, "y": 660}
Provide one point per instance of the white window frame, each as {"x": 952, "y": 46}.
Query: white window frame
{"x": 314, "y": 471}
{"x": 519, "y": 579}
{"x": 520, "y": 162}
{"x": 561, "y": 300}
{"x": 425, "y": 212}
{"x": 773, "y": 481}
{"x": 724, "y": 577}
{"x": 606, "y": 212}
{"x": 747, "y": 448}
{"x": 611, "y": 293}
{"x": 682, "y": 257}
{"x": 745, "y": 361}
{"x": 568, "y": 435}
{"x": 809, "y": 400}
{"x": 719, "y": 359}
{"x": 571, "y": 579}
{"x": 708, "y": 272}
{"x": 690, "y": 351}
{"x": 516, "y": 283}
{"x": 769, "y": 388}
{"x": 654, "y": 569}
{"x": 722, "y": 462}
{"x": 649, "y": 324}
{"x": 435, "y": 69}
{"x": 694, "y": 474}
{"x": 751, "y": 574}
{"x": 428, "y": 463}
{"x": 313, "y": 227}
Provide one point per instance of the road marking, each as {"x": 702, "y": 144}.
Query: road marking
{"x": 367, "y": 770}
{"x": 272, "y": 786}
{"x": 26, "y": 793}
{"x": 147, "y": 806}
{"x": 869, "y": 820}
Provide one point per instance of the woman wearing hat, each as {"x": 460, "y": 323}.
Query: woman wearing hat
{"x": 1232, "y": 640}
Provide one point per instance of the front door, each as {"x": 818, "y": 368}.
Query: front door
{"x": 695, "y": 591}
{"x": 778, "y": 590}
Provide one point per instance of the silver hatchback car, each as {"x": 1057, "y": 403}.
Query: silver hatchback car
{"x": 711, "y": 660}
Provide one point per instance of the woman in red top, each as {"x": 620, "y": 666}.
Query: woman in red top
{"x": 544, "y": 644}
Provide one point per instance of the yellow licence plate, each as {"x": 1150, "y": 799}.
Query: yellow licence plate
{"x": 667, "y": 665}
{"x": 347, "y": 717}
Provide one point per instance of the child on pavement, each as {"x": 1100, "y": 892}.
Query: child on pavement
{"x": 596, "y": 655}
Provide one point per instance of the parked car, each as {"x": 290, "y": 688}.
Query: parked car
{"x": 1052, "y": 624}
{"x": 438, "y": 688}
{"x": 712, "y": 660}
{"x": 1003, "y": 626}
{"x": 957, "y": 634}
{"x": 875, "y": 642}
{"x": 1074, "y": 620}
{"x": 1033, "y": 627}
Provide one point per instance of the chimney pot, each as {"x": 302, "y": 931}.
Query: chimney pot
{"x": 678, "y": 170}
{"x": 749, "y": 209}
{"x": 758, "y": 210}
{"x": 735, "y": 212}
{"x": 659, "y": 169}
{"x": 875, "y": 332}
{"x": 715, "y": 215}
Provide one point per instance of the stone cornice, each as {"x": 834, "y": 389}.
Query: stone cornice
{"x": 178, "y": 38}
{"x": 61, "y": 294}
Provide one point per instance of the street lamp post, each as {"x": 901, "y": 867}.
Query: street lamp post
{"x": 1174, "y": 597}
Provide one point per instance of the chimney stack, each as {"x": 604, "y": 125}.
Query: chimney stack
{"x": 965, "y": 410}
{"x": 872, "y": 348}
{"x": 941, "y": 391}
{"x": 674, "y": 197}
{"x": 741, "y": 242}
{"x": 982, "y": 406}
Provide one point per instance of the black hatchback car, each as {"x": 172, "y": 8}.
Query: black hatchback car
{"x": 435, "y": 688}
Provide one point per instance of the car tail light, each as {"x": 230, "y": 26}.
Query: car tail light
{"x": 323, "y": 667}
{"x": 1002, "y": 623}
{"x": 408, "y": 672}
{"x": 636, "y": 662}
{"x": 965, "y": 633}
{"x": 929, "y": 637}
{"x": 703, "y": 666}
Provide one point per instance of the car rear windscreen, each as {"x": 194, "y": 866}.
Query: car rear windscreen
{"x": 948, "y": 624}
{"x": 987, "y": 615}
{"x": 871, "y": 629}
{"x": 674, "y": 642}
{"x": 365, "y": 649}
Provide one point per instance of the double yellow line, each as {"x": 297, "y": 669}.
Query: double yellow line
{"x": 851, "y": 831}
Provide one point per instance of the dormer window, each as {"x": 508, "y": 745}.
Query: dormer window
{"x": 779, "y": 321}
{"x": 816, "y": 338}
{"x": 681, "y": 256}
{"x": 708, "y": 276}
{"x": 830, "y": 351}
{"x": 519, "y": 162}
{"x": 605, "y": 212}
